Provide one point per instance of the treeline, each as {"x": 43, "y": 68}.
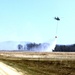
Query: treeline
{"x": 65, "y": 48}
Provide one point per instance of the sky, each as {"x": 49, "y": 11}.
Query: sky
{"x": 33, "y": 20}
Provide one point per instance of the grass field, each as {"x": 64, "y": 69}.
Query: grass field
{"x": 36, "y": 63}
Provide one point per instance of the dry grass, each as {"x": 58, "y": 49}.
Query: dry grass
{"x": 36, "y": 63}
{"x": 40, "y": 55}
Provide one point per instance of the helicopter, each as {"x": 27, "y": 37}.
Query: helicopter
{"x": 57, "y": 18}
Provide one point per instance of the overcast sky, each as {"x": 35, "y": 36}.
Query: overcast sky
{"x": 33, "y": 20}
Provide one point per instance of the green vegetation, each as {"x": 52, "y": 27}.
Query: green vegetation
{"x": 42, "y": 67}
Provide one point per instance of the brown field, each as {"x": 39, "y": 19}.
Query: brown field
{"x": 41, "y": 63}
{"x": 40, "y": 55}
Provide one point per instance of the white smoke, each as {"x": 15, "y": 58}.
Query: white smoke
{"x": 46, "y": 47}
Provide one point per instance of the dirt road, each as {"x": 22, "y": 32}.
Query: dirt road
{"x": 7, "y": 70}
